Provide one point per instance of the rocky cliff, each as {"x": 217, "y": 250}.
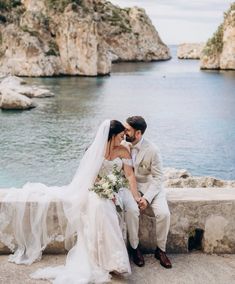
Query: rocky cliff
{"x": 190, "y": 50}
{"x": 178, "y": 178}
{"x": 80, "y": 37}
{"x": 219, "y": 52}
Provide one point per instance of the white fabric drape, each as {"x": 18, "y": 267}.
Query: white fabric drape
{"x": 24, "y": 212}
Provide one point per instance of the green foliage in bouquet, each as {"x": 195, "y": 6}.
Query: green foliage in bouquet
{"x": 107, "y": 186}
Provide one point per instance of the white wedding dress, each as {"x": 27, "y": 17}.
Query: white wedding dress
{"x": 100, "y": 247}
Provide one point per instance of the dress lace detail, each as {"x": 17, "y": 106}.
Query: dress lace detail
{"x": 108, "y": 165}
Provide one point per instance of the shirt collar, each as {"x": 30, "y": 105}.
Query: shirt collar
{"x": 138, "y": 145}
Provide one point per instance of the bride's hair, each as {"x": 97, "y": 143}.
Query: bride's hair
{"x": 116, "y": 127}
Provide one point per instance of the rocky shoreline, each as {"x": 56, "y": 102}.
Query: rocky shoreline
{"x": 15, "y": 94}
{"x": 218, "y": 52}
{"x": 181, "y": 178}
{"x": 190, "y": 50}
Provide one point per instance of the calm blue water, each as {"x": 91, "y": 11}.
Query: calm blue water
{"x": 190, "y": 115}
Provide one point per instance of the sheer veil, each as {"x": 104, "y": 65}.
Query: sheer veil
{"x": 24, "y": 217}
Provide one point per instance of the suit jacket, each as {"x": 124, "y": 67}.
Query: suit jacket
{"x": 148, "y": 170}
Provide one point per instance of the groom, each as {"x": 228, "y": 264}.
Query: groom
{"x": 148, "y": 171}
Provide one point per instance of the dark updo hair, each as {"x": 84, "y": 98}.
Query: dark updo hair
{"x": 116, "y": 127}
{"x": 137, "y": 122}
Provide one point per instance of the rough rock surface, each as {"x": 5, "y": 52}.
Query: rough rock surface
{"x": 16, "y": 94}
{"x": 207, "y": 210}
{"x": 179, "y": 178}
{"x": 219, "y": 51}
{"x": 190, "y": 50}
{"x": 81, "y": 37}
{"x": 12, "y": 100}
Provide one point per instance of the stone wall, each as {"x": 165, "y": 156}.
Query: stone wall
{"x": 203, "y": 216}
{"x": 208, "y": 211}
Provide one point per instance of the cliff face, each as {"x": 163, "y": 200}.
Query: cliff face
{"x": 190, "y": 50}
{"x": 219, "y": 52}
{"x": 82, "y": 37}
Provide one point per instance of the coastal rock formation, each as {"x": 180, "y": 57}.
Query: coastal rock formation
{"x": 128, "y": 34}
{"x": 81, "y": 37}
{"x": 190, "y": 50}
{"x": 16, "y": 94}
{"x": 19, "y": 86}
{"x": 219, "y": 52}
{"x": 12, "y": 100}
{"x": 174, "y": 178}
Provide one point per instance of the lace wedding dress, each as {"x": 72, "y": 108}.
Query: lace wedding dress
{"x": 100, "y": 247}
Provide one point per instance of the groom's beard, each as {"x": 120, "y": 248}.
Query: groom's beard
{"x": 130, "y": 139}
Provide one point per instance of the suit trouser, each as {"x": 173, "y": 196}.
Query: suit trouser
{"x": 160, "y": 209}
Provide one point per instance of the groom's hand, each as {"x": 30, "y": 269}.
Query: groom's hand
{"x": 143, "y": 203}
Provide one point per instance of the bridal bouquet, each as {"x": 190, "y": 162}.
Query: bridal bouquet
{"x": 108, "y": 186}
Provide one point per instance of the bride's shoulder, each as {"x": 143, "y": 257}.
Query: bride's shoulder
{"x": 126, "y": 144}
{"x": 123, "y": 152}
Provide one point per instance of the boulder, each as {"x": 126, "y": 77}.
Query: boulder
{"x": 179, "y": 178}
{"x": 190, "y": 50}
{"x": 18, "y": 85}
{"x": 14, "y": 101}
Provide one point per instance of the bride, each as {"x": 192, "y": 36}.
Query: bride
{"x": 99, "y": 248}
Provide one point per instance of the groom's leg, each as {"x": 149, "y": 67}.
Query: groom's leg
{"x": 131, "y": 212}
{"x": 162, "y": 215}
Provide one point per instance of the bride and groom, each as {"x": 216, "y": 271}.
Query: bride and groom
{"x": 100, "y": 247}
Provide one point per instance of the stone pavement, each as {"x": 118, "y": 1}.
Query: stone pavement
{"x": 191, "y": 268}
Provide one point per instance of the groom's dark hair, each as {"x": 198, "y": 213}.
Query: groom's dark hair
{"x": 137, "y": 122}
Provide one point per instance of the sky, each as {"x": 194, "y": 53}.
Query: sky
{"x": 180, "y": 21}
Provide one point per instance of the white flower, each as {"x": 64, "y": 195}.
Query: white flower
{"x": 113, "y": 178}
{"x": 105, "y": 185}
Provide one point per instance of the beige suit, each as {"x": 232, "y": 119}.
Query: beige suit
{"x": 148, "y": 172}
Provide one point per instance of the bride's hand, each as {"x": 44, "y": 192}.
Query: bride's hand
{"x": 114, "y": 200}
{"x": 137, "y": 198}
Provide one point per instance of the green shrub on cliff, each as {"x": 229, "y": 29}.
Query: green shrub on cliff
{"x": 31, "y": 32}
{"x": 115, "y": 16}
{"x": 215, "y": 44}
{"x": 232, "y": 8}
{"x": 60, "y": 5}
{"x": 11, "y": 11}
{"x": 2, "y": 19}
{"x": 53, "y": 49}
{"x": 9, "y": 4}
{"x": 229, "y": 16}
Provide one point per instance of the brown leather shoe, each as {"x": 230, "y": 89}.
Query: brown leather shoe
{"x": 137, "y": 257}
{"x": 164, "y": 260}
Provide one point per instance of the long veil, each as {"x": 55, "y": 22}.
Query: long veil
{"x": 24, "y": 215}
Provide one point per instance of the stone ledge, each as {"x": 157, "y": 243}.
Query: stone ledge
{"x": 207, "y": 211}
{"x": 203, "y": 216}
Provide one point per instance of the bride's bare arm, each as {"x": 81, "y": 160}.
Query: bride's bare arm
{"x": 129, "y": 173}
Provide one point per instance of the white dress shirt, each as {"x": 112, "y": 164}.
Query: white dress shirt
{"x": 135, "y": 150}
